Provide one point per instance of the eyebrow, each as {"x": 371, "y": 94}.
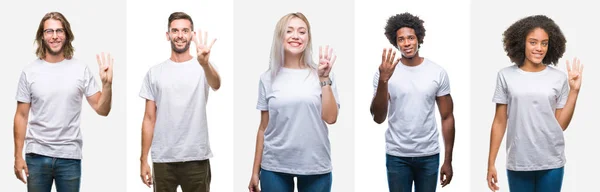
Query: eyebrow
{"x": 294, "y": 28}
{"x": 537, "y": 39}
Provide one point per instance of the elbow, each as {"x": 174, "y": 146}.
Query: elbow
{"x": 378, "y": 119}
{"x": 216, "y": 87}
{"x": 330, "y": 120}
{"x": 103, "y": 113}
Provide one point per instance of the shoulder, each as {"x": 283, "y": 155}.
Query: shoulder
{"x": 508, "y": 70}
{"x": 555, "y": 71}
{"x": 32, "y": 65}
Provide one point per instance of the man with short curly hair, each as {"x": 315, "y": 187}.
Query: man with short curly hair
{"x": 408, "y": 99}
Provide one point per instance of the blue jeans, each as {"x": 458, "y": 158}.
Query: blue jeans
{"x": 282, "y": 182}
{"x": 66, "y": 173}
{"x": 536, "y": 181}
{"x": 403, "y": 171}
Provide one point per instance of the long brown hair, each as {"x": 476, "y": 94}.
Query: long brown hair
{"x": 67, "y": 48}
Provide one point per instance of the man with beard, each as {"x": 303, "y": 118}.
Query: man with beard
{"x": 408, "y": 99}
{"x": 52, "y": 87}
{"x": 174, "y": 124}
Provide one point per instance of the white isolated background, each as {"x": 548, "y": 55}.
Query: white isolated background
{"x": 446, "y": 43}
{"x": 489, "y": 21}
{"x": 332, "y": 22}
{"x": 98, "y": 27}
{"x": 147, "y": 46}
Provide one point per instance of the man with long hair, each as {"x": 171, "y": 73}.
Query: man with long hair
{"x": 51, "y": 87}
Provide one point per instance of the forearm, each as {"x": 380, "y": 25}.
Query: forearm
{"x": 448, "y": 133}
{"x": 20, "y": 126}
{"x": 496, "y": 136}
{"x": 379, "y": 105}
{"x": 147, "y": 135}
{"x": 104, "y": 103}
{"x": 566, "y": 114}
{"x": 258, "y": 152}
{"x": 328, "y": 105}
{"x": 212, "y": 76}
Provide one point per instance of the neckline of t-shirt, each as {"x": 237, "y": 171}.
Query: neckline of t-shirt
{"x": 543, "y": 71}
{"x": 424, "y": 62}
{"x": 180, "y": 63}
{"x": 44, "y": 62}
{"x": 294, "y": 70}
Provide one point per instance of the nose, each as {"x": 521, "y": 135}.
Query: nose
{"x": 295, "y": 35}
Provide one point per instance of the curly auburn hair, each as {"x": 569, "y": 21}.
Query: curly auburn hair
{"x": 398, "y": 21}
{"x": 514, "y": 39}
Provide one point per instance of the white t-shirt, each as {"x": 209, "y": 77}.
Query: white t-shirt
{"x": 180, "y": 91}
{"x": 535, "y": 139}
{"x": 413, "y": 91}
{"x": 54, "y": 91}
{"x": 296, "y": 139}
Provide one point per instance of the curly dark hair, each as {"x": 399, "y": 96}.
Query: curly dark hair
{"x": 398, "y": 21}
{"x": 514, "y": 39}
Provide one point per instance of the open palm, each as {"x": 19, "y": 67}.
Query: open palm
{"x": 575, "y": 70}
{"x": 105, "y": 65}
{"x": 203, "y": 47}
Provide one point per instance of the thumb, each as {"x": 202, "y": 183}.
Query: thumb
{"x": 26, "y": 171}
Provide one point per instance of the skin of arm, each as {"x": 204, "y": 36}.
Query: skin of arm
{"x": 147, "y": 135}
{"x": 212, "y": 77}
{"x": 379, "y": 105}
{"x": 260, "y": 138}
{"x": 446, "y": 107}
{"x": 497, "y": 133}
{"x": 329, "y": 106}
{"x": 564, "y": 115}
{"x": 101, "y": 101}
{"x": 20, "y": 126}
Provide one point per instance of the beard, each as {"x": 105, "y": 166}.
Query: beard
{"x": 50, "y": 51}
{"x": 182, "y": 50}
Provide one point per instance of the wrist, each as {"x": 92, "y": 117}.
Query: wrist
{"x": 574, "y": 91}
{"x": 325, "y": 82}
{"x": 106, "y": 85}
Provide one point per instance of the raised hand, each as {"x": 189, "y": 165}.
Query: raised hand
{"x": 105, "y": 64}
{"x": 203, "y": 47}
{"x": 326, "y": 61}
{"x": 575, "y": 70}
{"x": 388, "y": 64}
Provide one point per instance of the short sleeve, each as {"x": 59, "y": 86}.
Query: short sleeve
{"x": 375, "y": 82}
{"x": 262, "y": 103}
{"x": 90, "y": 85}
{"x": 334, "y": 90}
{"x": 500, "y": 95}
{"x": 564, "y": 95}
{"x": 147, "y": 91}
{"x": 23, "y": 91}
{"x": 444, "y": 84}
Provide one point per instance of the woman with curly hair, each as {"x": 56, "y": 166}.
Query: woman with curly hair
{"x": 535, "y": 103}
{"x": 407, "y": 98}
{"x": 297, "y": 99}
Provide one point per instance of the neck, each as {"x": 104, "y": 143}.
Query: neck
{"x": 54, "y": 58}
{"x": 293, "y": 61}
{"x": 413, "y": 61}
{"x": 532, "y": 67}
{"x": 180, "y": 57}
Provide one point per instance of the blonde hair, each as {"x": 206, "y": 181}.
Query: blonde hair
{"x": 277, "y": 51}
{"x": 67, "y": 48}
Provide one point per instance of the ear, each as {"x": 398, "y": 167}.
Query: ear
{"x": 168, "y": 37}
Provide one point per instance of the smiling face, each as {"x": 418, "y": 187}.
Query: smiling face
{"x": 53, "y": 36}
{"x": 536, "y": 46}
{"x": 407, "y": 42}
{"x": 295, "y": 36}
{"x": 180, "y": 34}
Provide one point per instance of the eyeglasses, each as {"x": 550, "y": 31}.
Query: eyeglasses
{"x": 50, "y": 32}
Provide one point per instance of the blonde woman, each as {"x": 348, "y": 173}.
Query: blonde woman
{"x": 297, "y": 99}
